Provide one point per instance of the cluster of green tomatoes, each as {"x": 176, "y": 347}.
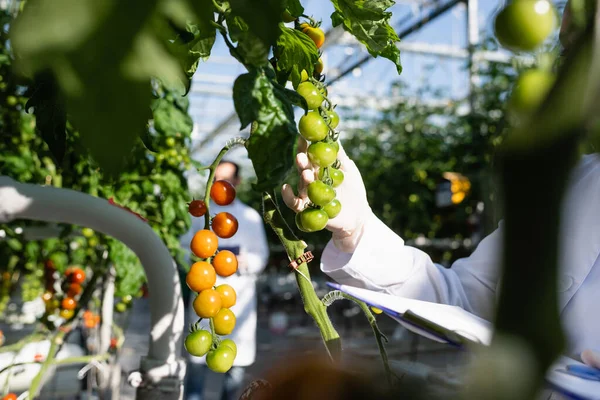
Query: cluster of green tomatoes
{"x": 523, "y": 26}
{"x": 317, "y": 127}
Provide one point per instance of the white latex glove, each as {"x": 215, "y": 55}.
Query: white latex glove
{"x": 591, "y": 358}
{"x": 348, "y": 226}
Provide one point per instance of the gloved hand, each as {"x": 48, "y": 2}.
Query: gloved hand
{"x": 591, "y": 358}
{"x": 348, "y": 226}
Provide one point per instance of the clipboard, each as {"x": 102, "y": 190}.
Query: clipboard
{"x": 457, "y": 327}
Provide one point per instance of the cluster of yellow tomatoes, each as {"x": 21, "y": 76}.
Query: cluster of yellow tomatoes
{"x": 213, "y": 301}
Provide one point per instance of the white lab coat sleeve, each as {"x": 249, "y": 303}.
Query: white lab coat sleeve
{"x": 256, "y": 248}
{"x": 382, "y": 262}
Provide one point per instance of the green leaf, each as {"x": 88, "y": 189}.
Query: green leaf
{"x": 194, "y": 39}
{"x": 148, "y": 142}
{"x": 368, "y": 21}
{"x": 97, "y": 51}
{"x": 168, "y": 211}
{"x": 50, "y": 113}
{"x": 294, "y": 7}
{"x": 273, "y": 132}
{"x": 292, "y": 96}
{"x": 171, "y": 120}
{"x": 128, "y": 267}
{"x": 261, "y": 16}
{"x": 252, "y": 50}
{"x": 246, "y": 106}
{"x": 295, "y": 51}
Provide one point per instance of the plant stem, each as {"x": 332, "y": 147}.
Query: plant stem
{"x": 212, "y": 168}
{"x": 379, "y": 336}
{"x": 294, "y": 248}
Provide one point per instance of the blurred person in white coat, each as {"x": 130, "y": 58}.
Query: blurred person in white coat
{"x": 252, "y": 250}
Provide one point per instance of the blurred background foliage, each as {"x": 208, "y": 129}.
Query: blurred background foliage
{"x": 152, "y": 184}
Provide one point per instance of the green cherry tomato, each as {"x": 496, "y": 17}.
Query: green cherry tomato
{"x": 87, "y": 232}
{"x": 231, "y": 344}
{"x": 170, "y": 142}
{"x": 121, "y": 307}
{"x": 11, "y": 101}
{"x": 332, "y": 118}
{"x": 198, "y": 343}
{"x": 313, "y": 219}
{"x": 221, "y": 359}
{"x": 322, "y": 154}
{"x": 298, "y": 220}
{"x": 311, "y": 94}
{"x": 333, "y": 208}
{"x": 335, "y": 174}
{"x": 312, "y": 127}
{"x": 127, "y": 299}
{"x": 320, "y": 193}
{"x": 530, "y": 90}
{"x": 523, "y": 25}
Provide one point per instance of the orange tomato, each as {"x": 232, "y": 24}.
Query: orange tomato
{"x": 201, "y": 276}
{"x": 222, "y": 193}
{"x": 316, "y": 34}
{"x": 77, "y": 275}
{"x": 208, "y": 303}
{"x": 204, "y": 243}
{"x": 224, "y": 225}
{"x": 74, "y": 289}
{"x": 225, "y": 263}
{"x": 228, "y": 295}
{"x": 89, "y": 323}
{"x": 68, "y": 303}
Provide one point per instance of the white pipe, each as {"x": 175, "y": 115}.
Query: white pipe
{"x": 44, "y": 203}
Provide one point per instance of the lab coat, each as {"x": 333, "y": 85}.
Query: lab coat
{"x": 253, "y": 246}
{"x": 382, "y": 262}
